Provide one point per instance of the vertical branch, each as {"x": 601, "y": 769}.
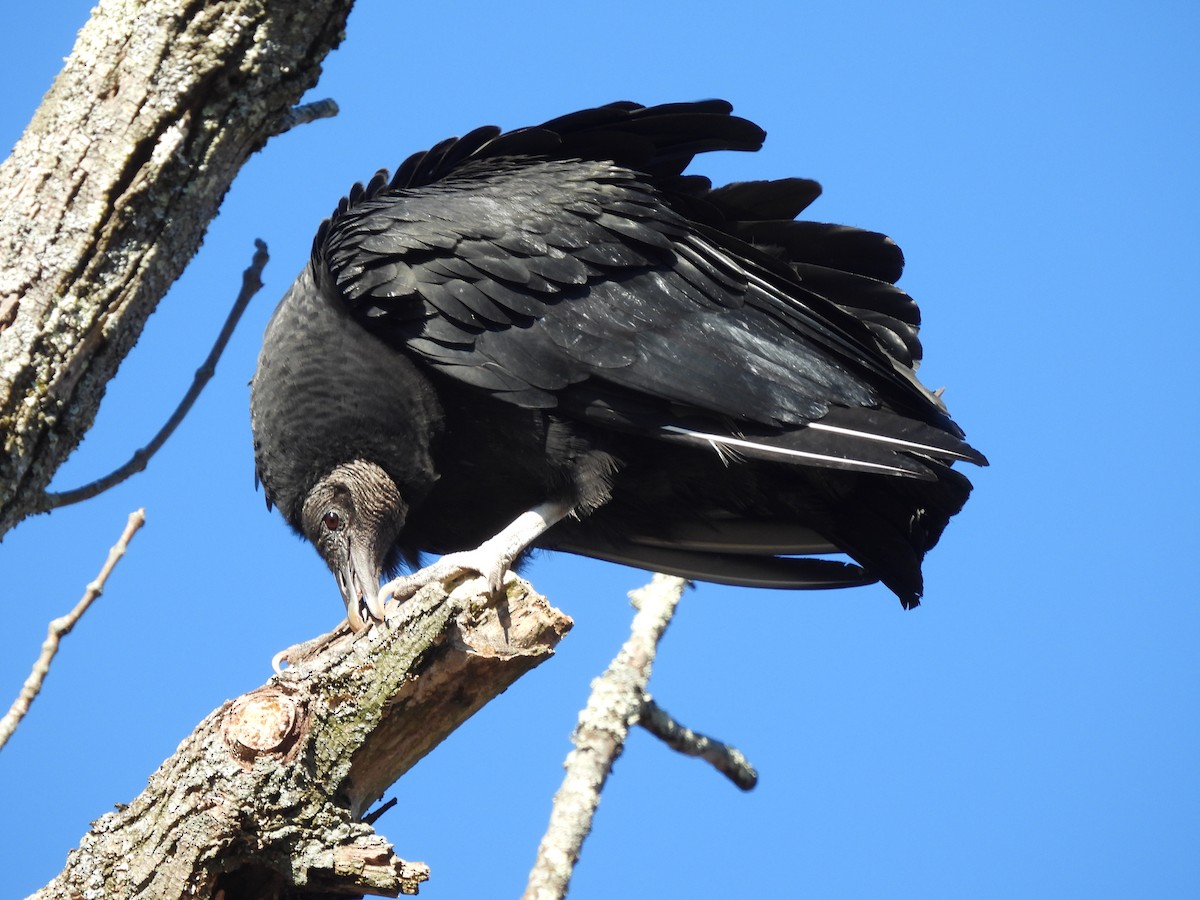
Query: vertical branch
{"x": 616, "y": 702}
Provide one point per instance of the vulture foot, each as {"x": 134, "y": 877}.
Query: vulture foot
{"x": 450, "y": 567}
{"x": 491, "y": 559}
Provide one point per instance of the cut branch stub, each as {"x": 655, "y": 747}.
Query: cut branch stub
{"x": 265, "y": 721}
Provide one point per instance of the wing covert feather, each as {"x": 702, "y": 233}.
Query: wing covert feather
{"x": 541, "y": 278}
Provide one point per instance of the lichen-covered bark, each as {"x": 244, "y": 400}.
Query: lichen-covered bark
{"x": 265, "y": 797}
{"x": 107, "y": 195}
{"x": 617, "y": 700}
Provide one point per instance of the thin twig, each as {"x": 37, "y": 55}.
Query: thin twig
{"x": 251, "y": 284}
{"x": 373, "y": 816}
{"x": 305, "y": 113}
{"x": 615, "y": 702}
{"x": 727, "y": 760}
{"x": 61, "y": 627}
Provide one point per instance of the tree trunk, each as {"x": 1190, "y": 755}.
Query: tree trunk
{"x": 107, "y": 196}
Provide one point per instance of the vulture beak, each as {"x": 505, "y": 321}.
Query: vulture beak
{"x": 358, "y": 579}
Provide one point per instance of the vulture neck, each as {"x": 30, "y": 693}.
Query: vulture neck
{"x": 328, "y": 392}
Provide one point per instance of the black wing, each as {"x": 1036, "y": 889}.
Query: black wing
{"x": 572, "y": 266}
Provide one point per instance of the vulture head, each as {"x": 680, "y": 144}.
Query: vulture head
{"x": 353, "y": 516}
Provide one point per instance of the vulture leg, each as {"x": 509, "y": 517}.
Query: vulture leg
{"x": 491, "y": 559}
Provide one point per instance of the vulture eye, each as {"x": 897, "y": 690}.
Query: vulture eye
{"x": 332, "y": 520}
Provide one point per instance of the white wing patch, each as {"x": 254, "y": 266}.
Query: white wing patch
{"x": 717, "y": 441}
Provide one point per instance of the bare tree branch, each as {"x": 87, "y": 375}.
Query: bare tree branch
{"x": 373, "y": 816}
{"x": 61, "y": 627}
{"x": 251, "y": 285}
{"x": 307, "y": 112}
{"x": 727, "y": 760}
{"x": 615, "y": 702}
{"x": 266, "y": 799}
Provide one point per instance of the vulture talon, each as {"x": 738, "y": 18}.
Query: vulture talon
{"x": 373, "y": 603}
{"x": 354, "y": 615}
{"x": 451, "y": 566}
{"x": 491, "y": 559}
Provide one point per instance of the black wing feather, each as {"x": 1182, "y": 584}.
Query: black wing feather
{"x": 550, "y": 263}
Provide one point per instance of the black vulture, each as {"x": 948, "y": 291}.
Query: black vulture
{"x": 554, "y": 338}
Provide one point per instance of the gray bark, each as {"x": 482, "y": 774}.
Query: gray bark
{"x": 107, "y": 195}
{"x": 617, "y": 700}
{"x": 265, "y": 799}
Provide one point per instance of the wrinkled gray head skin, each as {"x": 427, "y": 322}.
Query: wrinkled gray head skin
{"x": 353, "y": 516}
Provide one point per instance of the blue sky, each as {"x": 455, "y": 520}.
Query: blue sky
{"x": 1030, "y": 731}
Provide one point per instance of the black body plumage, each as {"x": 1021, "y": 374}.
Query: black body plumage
{"x": 559, "y": 314}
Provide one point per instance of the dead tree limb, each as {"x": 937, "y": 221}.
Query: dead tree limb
{"x": 727, "y": 760}
{"x": 108, "y": 193}
{"x": 615, "y": 704}
{"x": 267, "y": 796}
{"x": 619, "y": 700}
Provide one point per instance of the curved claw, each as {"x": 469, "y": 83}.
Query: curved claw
{"x": 354, "y": 615}
{"x": 374, "y": 604}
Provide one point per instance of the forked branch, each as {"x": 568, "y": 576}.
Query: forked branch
{"x": 618, "y": 700}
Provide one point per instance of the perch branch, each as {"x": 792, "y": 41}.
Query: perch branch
{"x": 615, "y": 702}
{"x": 251, "y": 285}
{"x": 727, "y": 760}
{"x": 266, "y": 798}
{"x": 61, "y": 627}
